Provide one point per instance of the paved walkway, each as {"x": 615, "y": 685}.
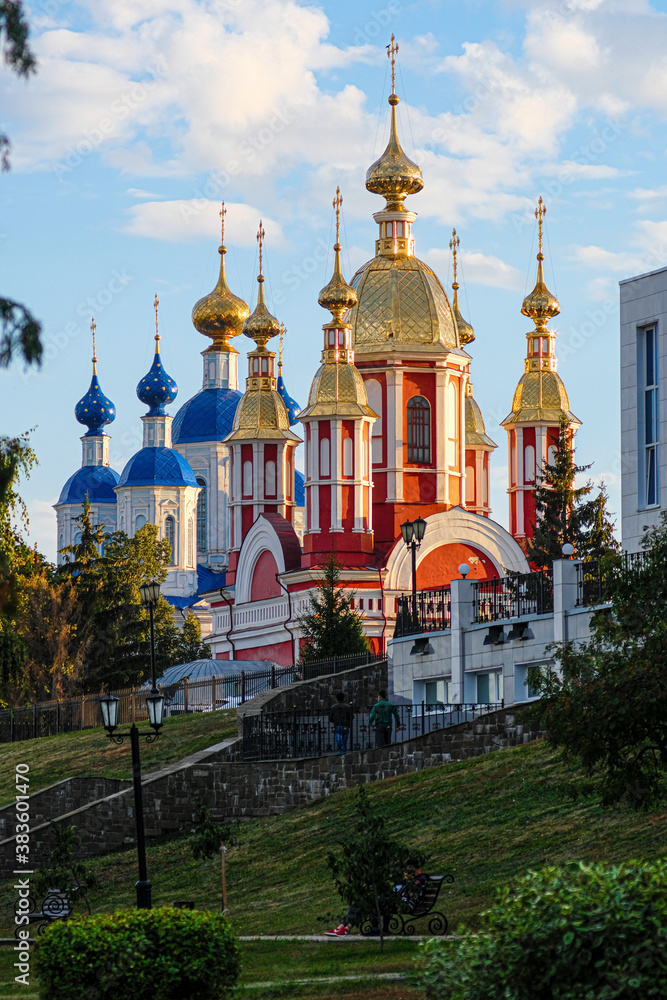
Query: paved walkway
{"x": 390, "y": 976}
{"x": 331, "y": 937}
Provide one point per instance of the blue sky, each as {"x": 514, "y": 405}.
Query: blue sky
{"x": 145, "y": 114}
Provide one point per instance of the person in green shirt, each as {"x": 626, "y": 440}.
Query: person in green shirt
{"x": 382, "y": 717}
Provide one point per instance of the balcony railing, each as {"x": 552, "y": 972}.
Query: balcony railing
{"x": 431, "y": 612}
{"x": 596, "y": 578}
{"x": 513, "y": 596}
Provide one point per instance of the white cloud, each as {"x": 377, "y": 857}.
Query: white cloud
{"x": 601, "y": 259}
{"x": 196, "y": 218}
{"x": 42, "y": 526}
{"x": 477, "y": 268}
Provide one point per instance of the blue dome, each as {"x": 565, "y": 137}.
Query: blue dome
{"x": 208, "y": 416}
{"x": 156, "y": 389}
{"x": 157, "y": 467}
{"x": 299, "y": 489}
{"x": 95, "y": 409}
{"x": 95, "y": 481}
{"x": 291, "y": 405}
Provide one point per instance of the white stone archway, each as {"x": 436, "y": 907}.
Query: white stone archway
{"x": 451, "y": 527}
{"x": 261, "y": 537}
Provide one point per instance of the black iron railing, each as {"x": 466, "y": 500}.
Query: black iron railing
{"x": 431, "y": 612}
{"x": 297, "y": 734}
{"x": 335, "y": 665}
{"x": 513, "y": 596}
{"x": 596, "y": 577}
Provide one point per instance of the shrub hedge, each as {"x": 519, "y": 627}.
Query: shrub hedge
{"x": 578, "y": 932}
{"x": 161, "y": 954}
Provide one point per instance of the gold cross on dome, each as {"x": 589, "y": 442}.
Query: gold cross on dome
{"x": 93, "y": 327}
{"x": 222, "y": 213}
{"x": 540, "y": 212}
{"x": 391, "y": 52}
{"x": 454, "y": 244}
{"x": 280, "y": 350}
{"x": 260, "y": 239}
{"x": 156, "y": 304}
{"x": 337, "y": 202}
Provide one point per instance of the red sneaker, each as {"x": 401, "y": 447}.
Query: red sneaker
{"x": 340, "y": 931}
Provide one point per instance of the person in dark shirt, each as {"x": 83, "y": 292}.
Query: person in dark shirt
{"x": 382, "y": 717}
{"x": 341, "y": 716}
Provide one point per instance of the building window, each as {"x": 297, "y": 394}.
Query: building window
{"x": 648, "y": 418}
{"x": 529, "y": 464}
{"x": 324, "y": 456}
{"x": 201, "y": 515}
{"x": 247, "y": 479}
{"x": 436, "y": 694}
{"x": 170, "y": 535}
{"x": 419, "y": 431}
{"x": 470, "y": 484}
{"x": 139, "y": 522}
{"x": 489, "y": 688}
{"x": 270, "y": 482}
{"x": 374, "y": 395}
{"x": 191, "y": 543}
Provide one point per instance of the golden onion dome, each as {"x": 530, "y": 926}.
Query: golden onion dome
{"x": 337, "y": 390}
{"x": 476, "y": 435}
{"x": 394, "y": 175}
{"x": 337, "y": 296}
{"x": 466, "y": 332}
{"x": 540, "y": 397}
{"x": 400, "y": 301}
{"x": 220, "y": 314}
{"x": 260, "y": 413}
{"x": 540, "y": 305}
{"x": 261, "y": 326}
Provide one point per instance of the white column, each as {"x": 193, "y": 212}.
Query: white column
{"x": 565, "y": 595}
{"x": 314, "y": 476}
{"x": 445, "y": 435}
{"x": 479, "y": 480}
{"x": 336, "y": 466}
{"x": 521, "y": 491}
{"x": 440, "y": 437}
{"x": 462, "y": 615}
{"x": 462, "y": 441}
{"x": 257, "y": 478}
{"x": 358, "y": 476}
{"x": 394, "y": 435}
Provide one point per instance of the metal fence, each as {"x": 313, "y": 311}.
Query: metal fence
{"x": 337, "y": 664}
{"x": 596, "y": 578}
{"x": 513, "y": 596}
{"x": 297, "y": 734}
{"x": 206, "y": 695}
{"x": 432, "y": 611}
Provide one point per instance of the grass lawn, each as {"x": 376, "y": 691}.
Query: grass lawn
{"x": 89, "y": 753}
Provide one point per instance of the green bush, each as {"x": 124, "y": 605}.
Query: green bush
{"x": 580, "y": 932}
{"x": 162, "y": 954}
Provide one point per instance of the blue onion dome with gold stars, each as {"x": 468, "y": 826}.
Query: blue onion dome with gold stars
{"x": 157, "y": 389}
{"x": 95, "y": 410}
{"x": 291, "y": 405}
{"x": 96, "y": 482}
{"x": 208, "y": 416}
{"x": 157, "y": 467}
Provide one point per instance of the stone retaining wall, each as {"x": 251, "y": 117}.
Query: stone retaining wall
{"x": 240, "y": 790}
{"x": 60, "y": 798}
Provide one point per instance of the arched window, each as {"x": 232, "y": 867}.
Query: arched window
{"x": 347, "y": 456}
{"x": 529, "y": 464}
{"x": 139, "y": 522}
{"x": 374, "y": 394}
{"x": 419, "y": 431}
{"x": 551, "y": 454}
{"x": 201, "y": 515}
{"x": 270, "y": 479}
{"x": 325, "y": 453}
{"x": 77, "y": 538}
{"x": 191, "y": 543}
{"x": 247, "y": 479}
{"x": 170, "y": 535}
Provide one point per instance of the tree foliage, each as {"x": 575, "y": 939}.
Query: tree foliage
{"x": 331, "y": 627}
{"x": 579, "y": 932}
{"x": 19, "y": 330}
{"x": 189, "y": 645}
{"x": 207, "y": 835}
{"x": 606, "y": 705}
{"x": 567, "y": 513}
{"x": 370, "y": 865}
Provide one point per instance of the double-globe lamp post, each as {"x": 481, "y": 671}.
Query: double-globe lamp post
{"x": 150, "y": 594}
{"x": 413, "y": 532}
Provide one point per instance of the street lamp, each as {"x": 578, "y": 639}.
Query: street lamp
{"x": 150, "y": 594}
{"x": 413, "y": 532}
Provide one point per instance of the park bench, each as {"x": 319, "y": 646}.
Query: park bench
{"x": 419, "y": 904}
{"x": 55, "y": 906}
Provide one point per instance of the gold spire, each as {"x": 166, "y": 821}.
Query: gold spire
{"x": 261, "y": 326}
{"x": 394, "y": 175}
{"x": 93, "y": 327}
{"x": 466, "y": 332}
{"x": 337, "y": 296}
{"x": 280, "y": 350}
{"x": 540, "y": 305}
{"x": 220, "y": 314}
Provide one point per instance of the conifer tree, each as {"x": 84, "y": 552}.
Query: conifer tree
{"x": 331, "y": 627}
{"x": 564, "y": 514}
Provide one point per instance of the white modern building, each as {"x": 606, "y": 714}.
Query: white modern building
{"x": 643, "y": 418}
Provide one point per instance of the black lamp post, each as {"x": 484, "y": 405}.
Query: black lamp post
{"x": 413, "y": 532}
{"x": 150, "y": 594}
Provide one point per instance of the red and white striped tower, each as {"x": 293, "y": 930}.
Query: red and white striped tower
{"x": 261, "y": 443}
{"x": 338, "y": 423}
{"x": 540, "y": 401}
